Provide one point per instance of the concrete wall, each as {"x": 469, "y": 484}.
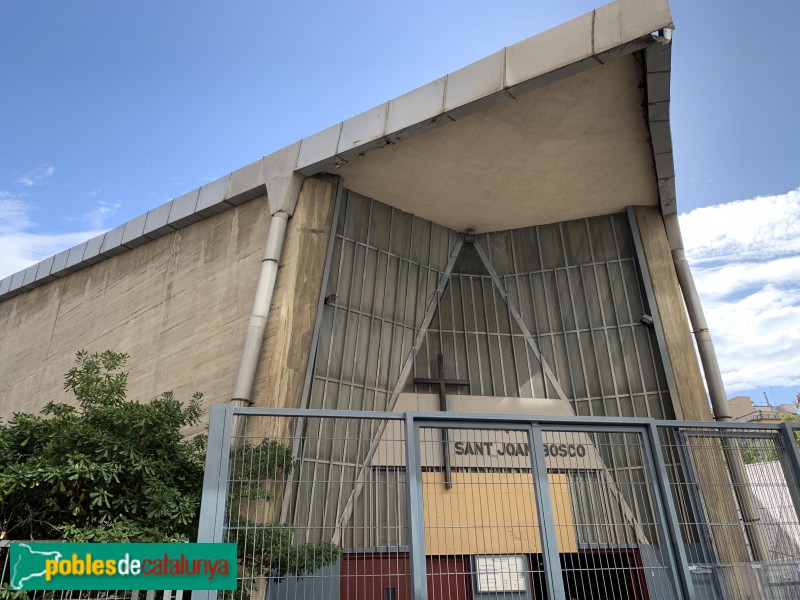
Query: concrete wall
{"x": 690, "y": 400}
{"x": 178, "y": 305}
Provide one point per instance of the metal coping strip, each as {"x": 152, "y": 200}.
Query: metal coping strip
{"x": 554, "y": 579}
{"x": 668, "y": 515}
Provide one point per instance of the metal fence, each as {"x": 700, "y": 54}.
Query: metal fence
{"x": 388, "y": 506}
{"x": 374, "y": 505}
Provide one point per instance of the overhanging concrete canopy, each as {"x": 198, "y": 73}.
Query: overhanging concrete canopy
{"x": 576, "y": 148}
{"x": 555, "y": 127}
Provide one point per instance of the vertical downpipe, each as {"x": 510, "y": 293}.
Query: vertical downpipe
{"x": 243, "y": 387}
{"x": 705, "y": 346}
{"x": 716, "y": 388}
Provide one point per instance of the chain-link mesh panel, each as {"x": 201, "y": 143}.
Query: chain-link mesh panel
{"x": 736, "y": 499}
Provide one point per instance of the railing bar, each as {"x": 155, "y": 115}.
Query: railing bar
{"x": 790, "y": 463}
{"x": 602, "y": 312}
{"x": 419, "y": 586}
{"x": 477, "y": 334}
{"x": 454, "y": 335}
{"x": 563, "y": 335}
{"x": 382, "y": 390}
{"x": 333, "y": 304}
{"x": 615, "y": 308}
{"x": 405, "y": 288}
{"x": 633, "y": 332}
{"x": 493, "y": 294}
{"x": 547, "y": 527}
{"x": 603, "y": 392}
{"x": 493, "y": 390}
{"x": 556, "y": 383}
{"x": 709, "y": 426}
{"x": 666, "y": 507}
{"x": 698, "y": 509}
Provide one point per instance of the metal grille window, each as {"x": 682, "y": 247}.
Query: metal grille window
{"x": 552, "y": 311}
{"x": 577, "y": 288}
{"x": 385, "y": 266}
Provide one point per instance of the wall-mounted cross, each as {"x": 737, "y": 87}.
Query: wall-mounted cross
{"x": 443, "y": 383}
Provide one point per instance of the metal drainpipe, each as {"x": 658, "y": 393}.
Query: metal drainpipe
{"x": 705, "y": 347}
{"x": 716, "y": 389}
{"x": 243, "y": 387}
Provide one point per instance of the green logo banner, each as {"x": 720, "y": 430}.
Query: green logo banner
{"x": 63, "y": 566}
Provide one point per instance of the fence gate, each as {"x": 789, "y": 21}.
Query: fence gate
{"x": 525, "y": 510}
{"x": 481, "y": 497}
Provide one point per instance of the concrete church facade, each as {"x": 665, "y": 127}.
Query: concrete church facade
{"x": 539, "y": 149}
{"x": 507, "y": 233}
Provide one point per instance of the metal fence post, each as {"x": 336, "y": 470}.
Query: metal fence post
{"x": 215, "y": 483}
{"x": 691, "y": 485}
{"x": 554, "y": 580}
{"x": 667, "y": 503}
{"x": 790, "y": 462}
{"x": 416, "y": 522}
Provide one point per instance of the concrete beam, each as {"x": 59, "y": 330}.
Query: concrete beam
{"x": 282, "y": 181}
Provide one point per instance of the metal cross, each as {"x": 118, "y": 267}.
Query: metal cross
{"x": 443, "y": 383}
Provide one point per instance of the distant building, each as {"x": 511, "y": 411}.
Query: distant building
{"x": 742, "y": 409}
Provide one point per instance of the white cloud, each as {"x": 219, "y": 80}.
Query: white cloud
{"x": 746, "y": 230}
{"x": 13, "y": 213}
{"x": 36, "y": 176}
{"x": 746, "y": 261}
{"x": 20, "y": 247}
{"x": 96, "y": 217}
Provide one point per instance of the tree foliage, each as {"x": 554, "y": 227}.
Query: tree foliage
{"x": 765, "y": 451}
{"x": 106, "y": 468}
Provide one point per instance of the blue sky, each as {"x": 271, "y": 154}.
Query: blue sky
{"x": 110, "y": 108}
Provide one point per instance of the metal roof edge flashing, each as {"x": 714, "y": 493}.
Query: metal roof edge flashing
{"x": 658, "y": 59}
{"x": 616, "y": 29}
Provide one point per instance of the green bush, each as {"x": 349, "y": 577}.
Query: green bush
{"x": 106, "y": 468}
{"x": 109, "y": 469}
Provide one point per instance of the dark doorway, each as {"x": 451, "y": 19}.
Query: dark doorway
{"x": 588, "y": 575}
{"x": 387, "y": 576}
{"x": 599, "y": 574}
